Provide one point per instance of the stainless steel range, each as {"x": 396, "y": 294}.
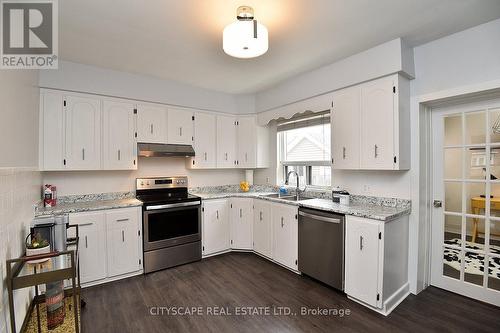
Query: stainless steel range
{"x": 171, "y": 222}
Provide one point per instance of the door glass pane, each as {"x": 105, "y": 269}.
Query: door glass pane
{"x": 494, "y": 126}
{"x": 453, "y": 163}
{"x": 476, "y": 163}
{"x": 494, "y": 273}
{"x": 453, "y": 197}
{"x": 452, "y": 259}
{"x": 474, "y": 198}
{"x": 172, "y": 224}
{"x": 495, "y": 237}
{"x": 474, "y": 268}
{"x": 475, "y": 131}
{"x": 495, "y": 163}
{"x": 453, "y": 130}
{"x": 475, "y": 232}
{"x": 452, "y": 229}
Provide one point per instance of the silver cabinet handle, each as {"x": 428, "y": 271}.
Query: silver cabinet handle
{"x": 361, "y": 243}
{"x": 151, "y": 128}
{"x": 85, "y": 224}
{"x": 217, "y": 214}
{"x": 226, "y": 156}
{"x": 122, "y": 220}
{"x": 86, "y": 242}
{"x": 180, "y": 131}
{"x": 260, "y": 216}
{"x": 83, "y": 154}
{"x": 282, "y": 224}
{"x": 123, "y": 236}
{"x": 205, "y": 156}
{"x": 241, "y": 213}
{"x": 246, "y": 157}
{"x": 343, "y": 153}
{"x": 119, "y": 155}
{"x": 376, "y": 151}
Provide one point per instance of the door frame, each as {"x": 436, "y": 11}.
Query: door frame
{"x": 422, "y": 194}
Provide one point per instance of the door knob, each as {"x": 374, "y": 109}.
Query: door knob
{"x": 438, "y": 204}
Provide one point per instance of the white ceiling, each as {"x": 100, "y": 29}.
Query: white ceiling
{"x": 181, "y": 39}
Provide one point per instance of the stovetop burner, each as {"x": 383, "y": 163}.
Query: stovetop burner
{"x": 165, "y": 190}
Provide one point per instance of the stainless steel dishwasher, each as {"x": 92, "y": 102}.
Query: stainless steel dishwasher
{"x": 321, "y": 246}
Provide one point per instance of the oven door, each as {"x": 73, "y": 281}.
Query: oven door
{"x": 171, "y": 224}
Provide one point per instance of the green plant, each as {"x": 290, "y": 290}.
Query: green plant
{"x": 37, "y": 242}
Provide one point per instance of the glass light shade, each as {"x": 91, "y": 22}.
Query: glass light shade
{"x": 238, "y": 39}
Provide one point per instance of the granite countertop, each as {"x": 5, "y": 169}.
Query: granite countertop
{"x": 85, "y": 206}
{"x": 362, "y": 208}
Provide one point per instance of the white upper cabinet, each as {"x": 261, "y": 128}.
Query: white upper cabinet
{"x": 151, "y": 124}
{"x": 253, "y": 143}
{"x": 371, "y": 125}
{"x": 385, "y": 124}
{"x": 119, "y": 144}
{"x": 204, "y": 141}
{"x": 345, "y": 122}
{"x": 226, "y": 142}
{"x": 83, "y": 133}
{"x": 51, "y": 153}
{"x": 180, "y": 126}
{"x": 241, "y": 227}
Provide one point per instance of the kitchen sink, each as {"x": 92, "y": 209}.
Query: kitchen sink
{"x": 287, "y": 197}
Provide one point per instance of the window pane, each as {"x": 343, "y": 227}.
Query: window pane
{"x": 301, "y": 170}
{"x": 321, "y": 175}
{"x": 307, "y": 144}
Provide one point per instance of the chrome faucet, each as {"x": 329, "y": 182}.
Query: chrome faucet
{"x": 297, "y": 189}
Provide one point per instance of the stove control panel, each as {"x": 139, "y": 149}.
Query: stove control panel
{"x": 161, "y": 182}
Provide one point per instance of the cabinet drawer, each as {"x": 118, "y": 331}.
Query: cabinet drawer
{"x": 121, "y": 218}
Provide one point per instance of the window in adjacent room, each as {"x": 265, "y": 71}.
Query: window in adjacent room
{"x": 304, "y": 146}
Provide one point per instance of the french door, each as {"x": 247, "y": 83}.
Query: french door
{"x": 465, "y": 255}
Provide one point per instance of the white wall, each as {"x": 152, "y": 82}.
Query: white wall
{"x": 20, "y": 182}
{"x": 91, "y": 79}
{"x": 85, "y": 182}
{"x": 19, "y": 99}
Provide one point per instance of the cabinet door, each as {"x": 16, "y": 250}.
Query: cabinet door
{"x": 345, "y": 124}
{"x": 241, "y": 223}
{"x": 377, "y": 124}
{"x": 92, "y": 248}
{"x": 226, "y": 142}
{"x": 204, "y": 141}
{"x": 151, "y": 124}
{"x": 262, "y": 228}
{"x": 123, "y": 241}
{"x": 362, "y": 248}
{"x": 180, "y": 127}
{"x": 83, "y": 133}
{"x": 215, "y": 232}
{"x": 51, "y": 131}
{"x": 119, "y": 145}
{"x": 285, "y": 235}
{"x": 247, "y": 142}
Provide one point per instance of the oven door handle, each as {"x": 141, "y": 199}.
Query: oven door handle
{"x": 180, "y": 204}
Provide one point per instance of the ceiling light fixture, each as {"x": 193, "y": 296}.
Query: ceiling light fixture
{"x": 245, "y": 38}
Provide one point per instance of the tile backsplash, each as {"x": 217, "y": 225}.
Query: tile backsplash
{"x": 20, "y": 190}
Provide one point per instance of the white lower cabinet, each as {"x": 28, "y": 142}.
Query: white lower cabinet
{"x": 92, "y": 247}
{"x": 215, "y": 226}
{"x": 110, "y": 243}
{"x": 123, "y": 239}
{"x": 376, "y": 262}
{"x": 285, "y": 234}
{"x": 263, "y": 228}
{"x": 241, "y": 223}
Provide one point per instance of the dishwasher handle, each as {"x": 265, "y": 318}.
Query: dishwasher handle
{"x": 320, "y": 218}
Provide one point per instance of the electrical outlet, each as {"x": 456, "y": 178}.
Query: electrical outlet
{"x": 268, "y": 180}
{"x": 367, "y": 189}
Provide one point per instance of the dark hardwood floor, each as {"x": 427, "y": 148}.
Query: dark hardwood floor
{"x": 244, "y": 279}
